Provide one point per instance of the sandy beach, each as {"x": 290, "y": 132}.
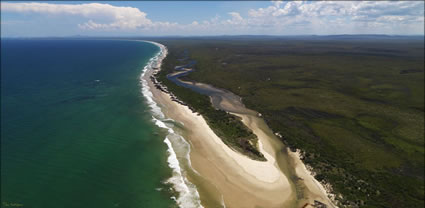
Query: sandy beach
{"x": 241, "y": 181}
{"x": 236, "y": 176}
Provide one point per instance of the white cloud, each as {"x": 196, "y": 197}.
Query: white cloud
{"x": 236, "y": 19}
{"x": 119, "y": 17}
{"x": 236, "y": 16}
{"x": 290, "y": 8}
{"x": 261, "y": 12}
{"x": 277, "y": 3}
{"x": 293, "y": 17}
{"x": 323, "y": 17}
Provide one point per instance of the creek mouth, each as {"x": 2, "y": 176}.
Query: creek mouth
{"x": 227, "y": 101}
{"x": 220, "y": 98}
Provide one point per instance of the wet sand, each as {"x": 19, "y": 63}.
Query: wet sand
{"x": 241, "y": 181}
{"x": 234, "y": 179}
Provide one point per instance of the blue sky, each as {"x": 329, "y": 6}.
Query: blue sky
{"x": 149, "y": 18}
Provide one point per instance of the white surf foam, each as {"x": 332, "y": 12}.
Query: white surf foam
{"x": 188, "y": 194}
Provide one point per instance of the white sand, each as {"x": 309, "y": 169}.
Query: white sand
{"x": 243, "y": 182}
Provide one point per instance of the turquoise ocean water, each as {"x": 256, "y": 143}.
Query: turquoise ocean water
{"x": 76, "y": 130}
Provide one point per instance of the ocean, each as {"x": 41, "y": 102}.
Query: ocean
{"x": 76, "y": 129}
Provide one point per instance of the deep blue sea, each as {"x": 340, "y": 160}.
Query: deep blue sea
{"x": 76, "y": 130}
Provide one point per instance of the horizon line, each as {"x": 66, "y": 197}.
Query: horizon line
{"x": 188, "y": 36}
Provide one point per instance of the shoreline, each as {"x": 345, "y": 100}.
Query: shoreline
{"x": 188, "y": 195}
{"x": 223, "y": 167}
{"x": 234, "y": 175}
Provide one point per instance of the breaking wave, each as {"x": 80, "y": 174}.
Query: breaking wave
{"x": 188, "y": 196}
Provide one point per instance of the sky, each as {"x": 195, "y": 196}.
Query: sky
{"x": 192, "y": 18}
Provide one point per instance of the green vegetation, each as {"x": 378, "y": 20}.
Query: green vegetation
{"x": 228, "y": 127}
{"x": 354, "y": 107}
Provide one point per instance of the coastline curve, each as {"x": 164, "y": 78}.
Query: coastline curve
{"x": 188, "y": 196}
